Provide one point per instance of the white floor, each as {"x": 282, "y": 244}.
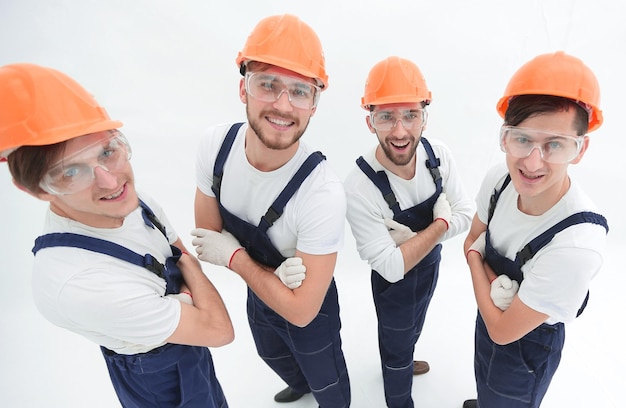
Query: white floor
{"x": 44, "y": 366}
{"x": 167, "y": 71}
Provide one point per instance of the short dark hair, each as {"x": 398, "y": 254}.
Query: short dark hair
{"x": 29, "y": 164}
{"x": 523, "y": 107}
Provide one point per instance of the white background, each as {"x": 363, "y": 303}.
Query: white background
{"x": 166, "y": 69}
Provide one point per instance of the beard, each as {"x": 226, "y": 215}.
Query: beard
{"x": 401, "y": 159}
{"x": 276, "y": 143}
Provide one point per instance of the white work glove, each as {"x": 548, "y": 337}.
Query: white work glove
{"x": 215, "y": 247}
{"x": 400, "y": 233}
{"x": 503, "y": 290}
{"x": 442, "y": 209}
{"x": 478, "y": 245}
{"x": 291, "y": 272}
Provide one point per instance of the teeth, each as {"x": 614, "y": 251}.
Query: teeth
{"x": 279, "y": 122}
{"x": 114, "y": 195}
{"x": 529, "y": 176}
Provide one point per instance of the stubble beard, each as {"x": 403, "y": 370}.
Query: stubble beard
{"x": 255, "y": 125}
{"x": 400, "y": 160}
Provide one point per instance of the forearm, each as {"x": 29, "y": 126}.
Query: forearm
{"x": 416, "y": 248}
{"x": 482, "y": 291}
{"x": 298, "y": 306}
{"x": 207, "y": 301}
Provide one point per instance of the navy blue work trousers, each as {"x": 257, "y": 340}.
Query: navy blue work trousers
{"x": 516, "y": 375}
{"x": 401, "y": 309}
{"x": 308, "y": 359}
{"x": 173, "y": 375}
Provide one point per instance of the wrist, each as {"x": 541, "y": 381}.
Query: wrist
{"x": 469, "y": 251}
{"x": 445, "y": 222}
{"x": 230, "y": 261}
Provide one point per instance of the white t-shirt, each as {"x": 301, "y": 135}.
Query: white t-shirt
{"x": 367, "y": 208}
{"x": 557, "y": 278}
{"x": 111, "y": 302}
{"x": 314, "y": 218}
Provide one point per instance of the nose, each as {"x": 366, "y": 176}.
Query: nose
{"x": 103, "y": 178}
{"x": 534, "y": 160}
{"x": 398, "y": 128}
{"x": 283, "y": 103}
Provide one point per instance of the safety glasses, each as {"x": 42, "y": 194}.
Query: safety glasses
{"x": 269, "y": 87}
{"x": 385, "y": 120}
{"x": 75, "y": 172}
{"x": 554, "y": 148}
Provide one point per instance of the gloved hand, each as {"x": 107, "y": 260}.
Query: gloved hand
{"x": 503, "y": 290}
{"x": 215, "y": 247}
{"x": 442, "y": 209}
{"x": 400, "y": 233}
{"x": 478, "y": 245}
{"x": 291, "y": 272}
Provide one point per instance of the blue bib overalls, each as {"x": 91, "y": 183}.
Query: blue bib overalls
{"x": 401, "y": 306}
{"x": 172, "y": 375}
{"x": 308, "y": 359}
{"x": 517, "y": 375}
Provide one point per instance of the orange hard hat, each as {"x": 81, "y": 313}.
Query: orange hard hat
{"x": 287, "y": 42}
{"x": 395, "y": 80}
{"x": 42, "y": 106}
{"x": 556, "y": 74}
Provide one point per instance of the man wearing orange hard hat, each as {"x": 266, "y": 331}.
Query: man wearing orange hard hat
{"x": 269, "y": 208}
{"x": 536, "y": 240}
{"x": 404, "y": 198}
{"x": 109, "y": 266}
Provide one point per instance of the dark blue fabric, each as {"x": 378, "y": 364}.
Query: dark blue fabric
{"x": 401, "y": 306}
{"x": 502, "y": 265}
{"x": 518, "y": 374}
{"x": 173, "y": 375}
{"x": 169, "y": 272}
{"x": 310, "y": 358}
{"x": 401, "y": 310}
{"x": 254, "y": 238}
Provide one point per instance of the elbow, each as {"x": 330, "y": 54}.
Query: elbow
{"x": 224, "y": 338}
{"x": 501, "y": 339}
{"x": 221, "y": 336}
{"x": 301, "y": 319}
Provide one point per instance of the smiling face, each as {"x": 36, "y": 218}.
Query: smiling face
{"x": 110, "y": 197}
{"x": 540, "y": 184}
{"x": 277, "y": 124}
{"x": 397, "y": 146}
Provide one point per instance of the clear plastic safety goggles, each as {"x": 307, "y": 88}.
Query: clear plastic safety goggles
{"x": 269, "y": 87}
{"x": 75, "y": 172}
{"x": 385, "y": 120}
{"x": 553, "y": 147}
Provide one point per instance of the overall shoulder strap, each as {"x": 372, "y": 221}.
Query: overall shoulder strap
{"x": 495, "y": 196}
{"x": 432, "y": 163}
{"x": 150, "y": 219}
{"x": 276, "y": 209}
{"x": 100, "y": 246}
{"x": 222, "y": 155}
{"x": 381, "y": 181}
{"x": 544, "y": 238}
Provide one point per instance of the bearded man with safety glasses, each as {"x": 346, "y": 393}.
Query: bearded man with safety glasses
{"x": 263, "y": 195}
{"x": 405, "y": 197}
